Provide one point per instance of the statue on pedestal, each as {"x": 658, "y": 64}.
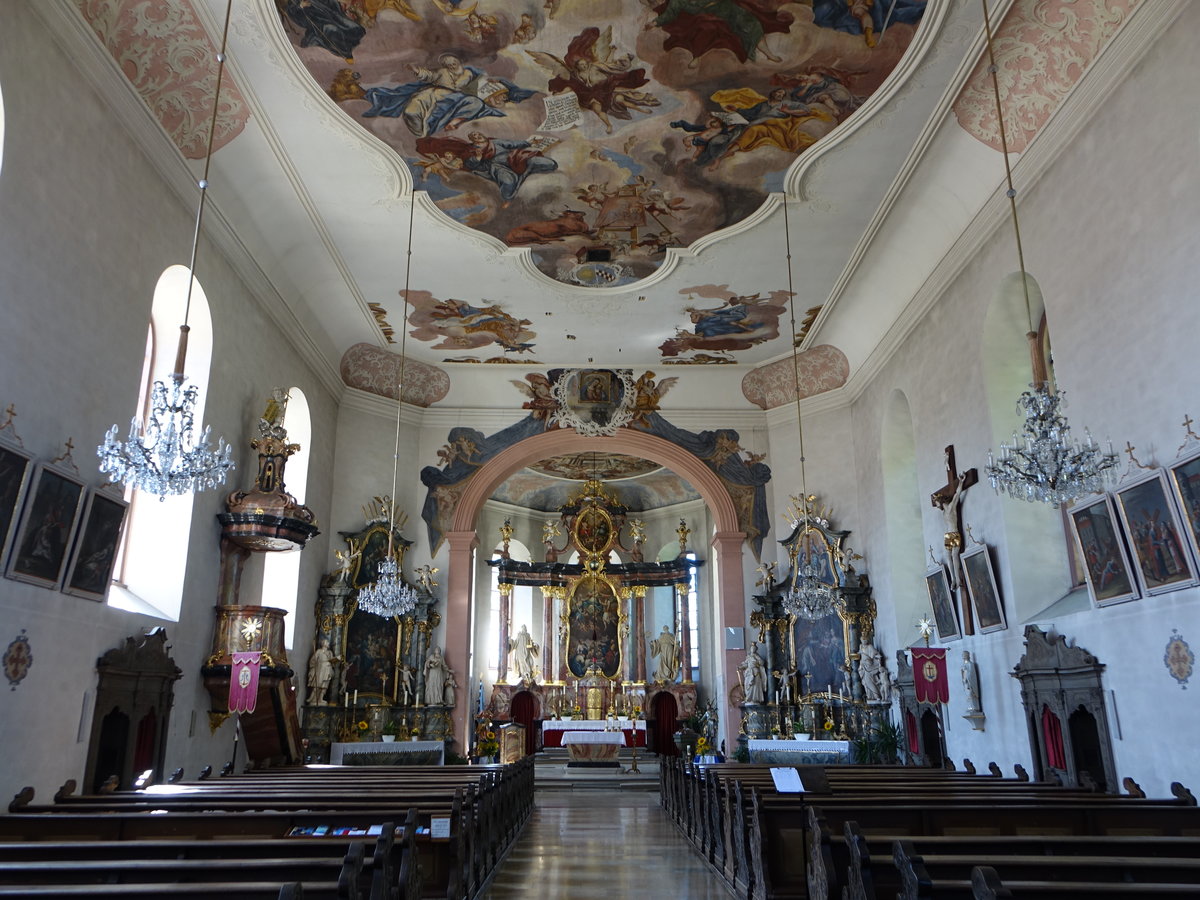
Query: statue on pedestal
{"x": 665, "y": 648}
{"x": 754, "y": 676}
{"x": 320, "y": 673}
{"x": 970, "y": 680}
{"x": 873, "y": 673}
{"x": 525, "y": 653}
{"x": 437, "y": 672}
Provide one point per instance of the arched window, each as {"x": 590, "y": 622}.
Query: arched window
{"x": 520, "y": 610}
{"x": 281, "y": 571}
{"x": 153, "y": 563}
{"x": 1033, "y": 552}
{"x": 1, "y": 131}
{"x": 902, "y": 514}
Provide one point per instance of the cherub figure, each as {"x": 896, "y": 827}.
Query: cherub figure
{"x": 540, "y": 403}
{"x": 602, "y": 79}
{"x": 425, "y": 577}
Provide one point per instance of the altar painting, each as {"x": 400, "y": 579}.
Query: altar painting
{"x": 370, "y": 654}
{"x": 373, "y": 550}
{"x": 593, "y": 617}
{"x": 820, "y": 645}
{"x": 599, "y": 133}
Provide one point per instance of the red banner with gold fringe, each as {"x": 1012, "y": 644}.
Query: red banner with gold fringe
{"x": 929, "y": 674}
{"x": 243, "y": 681}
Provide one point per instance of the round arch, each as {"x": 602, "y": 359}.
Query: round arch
{"x": 635, "y": 443}
{"x": 727, "y": 542}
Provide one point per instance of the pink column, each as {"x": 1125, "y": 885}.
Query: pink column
{"x": 685, "y": 631}
{"x": 727, "y": 551}
{"x": 547, "y": 635}
{"x": 460, "y": 583}
{"x": 639, "y": 634}
{"x": 505, "y": 619}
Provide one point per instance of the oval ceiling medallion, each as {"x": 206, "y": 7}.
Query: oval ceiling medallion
{"x": 599, "y": 133}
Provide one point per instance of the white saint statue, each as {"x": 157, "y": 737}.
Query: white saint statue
{"x": 970, "y": 680}
{"x": 525, "y": 653}
{"x": 436, "y": 673}
{"x": 873, "y": 673}
{"x": 665, "y": 648}
{"x": 754, "y": 676}
{"x": 320, "y": 673}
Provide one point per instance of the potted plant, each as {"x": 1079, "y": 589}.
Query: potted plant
{"x": 389, "y": 732}
{"x": 488, "y": 747}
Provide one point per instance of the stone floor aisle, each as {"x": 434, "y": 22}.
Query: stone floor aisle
{"x": 600, "y": 845}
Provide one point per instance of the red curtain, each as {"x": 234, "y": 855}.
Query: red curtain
{"x": 143, "y": 748}
{"x": 910, "y": 728}
{"x": 1056, "y": 756}
{"x": 523, "y": 710}
{"x": 665, "y": 712}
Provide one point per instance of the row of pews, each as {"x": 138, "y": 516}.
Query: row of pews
{"x": 867, "y": 832}
{"x": 353, "y": 833}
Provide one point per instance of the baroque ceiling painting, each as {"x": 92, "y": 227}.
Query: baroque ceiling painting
{"x": 599, "y": 133}
{"x": 734, "y": 323}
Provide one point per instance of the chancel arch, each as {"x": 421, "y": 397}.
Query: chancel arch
{"x": 902, "y": 509}
{"x": 726, "y": 541}
{"x": 1033, "y": 552}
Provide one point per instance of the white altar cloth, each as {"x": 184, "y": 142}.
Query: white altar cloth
{"x": 594, "y": 737}
{"x": 339, "y": 751}
{"x": 785, "y": 752}
{"x": 591, "y": 725}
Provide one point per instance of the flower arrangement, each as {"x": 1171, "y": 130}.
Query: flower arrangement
{"x": 828, "y": 726}
{"x": 775, "y": 730}
{"x": 703, "y": 747}
{"x": 361, "y": 728}
{"x": 415, "y": 732}
{"x": 488, "y": 744}
{"x": 576, "y": 711}
{"x": 637, "y": 712}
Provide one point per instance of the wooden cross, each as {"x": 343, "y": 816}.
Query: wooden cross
{"x": 948, "y": 498}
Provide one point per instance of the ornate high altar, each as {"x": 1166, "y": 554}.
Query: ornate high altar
{"x": 825, "y": 677}
{"x": 368, "y": 669}
{"x": 597, "y": 667}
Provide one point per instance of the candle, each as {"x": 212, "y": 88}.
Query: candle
{"x": 356, "y": 696}
{"x": 346, "y": 699}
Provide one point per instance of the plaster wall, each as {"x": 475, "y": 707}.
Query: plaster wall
{"x": 86, "y": 228}
{"x": 1106, "y": 235}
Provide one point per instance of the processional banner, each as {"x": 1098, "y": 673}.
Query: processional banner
{"x": 243, "y": 681}
{"x": 929, "y": 674}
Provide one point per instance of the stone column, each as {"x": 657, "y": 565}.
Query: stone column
{"x": 547, "y": 633}
{"x": 685, "y": 632}
{"x": 505, "y": 623}
{"x": 460, "y": 582}
{"x": 727, "y": 550}
{"x": 639, "y": 633}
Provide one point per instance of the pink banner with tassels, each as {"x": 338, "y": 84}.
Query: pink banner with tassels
{"x": 243, "y": 681}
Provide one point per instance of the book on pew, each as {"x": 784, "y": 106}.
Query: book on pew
{"x": 439, "y": 828}
{"x": 787, "y": 780}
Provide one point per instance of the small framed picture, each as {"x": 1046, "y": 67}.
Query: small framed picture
{"x": 1185, "y": 480}
{"x": 47, "y": 524}
{"x": 15, "y": 465}
{"x": 980, "y": 579}
{"x": 1161, "y": 559}
{"x": 89, "y": 572}
{"x": 942, "y": 601}
{"x": 1106, "y": 564}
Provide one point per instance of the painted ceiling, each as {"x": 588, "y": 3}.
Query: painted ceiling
{"x": 645, "y": 229}
{"x": 645, "y": 486}
{"x": 599, "y": 133}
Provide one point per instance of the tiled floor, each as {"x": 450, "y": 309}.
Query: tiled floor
{"x": 597, "y": 845}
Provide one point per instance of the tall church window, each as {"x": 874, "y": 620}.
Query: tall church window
{"x": 281, "y": 571}
{"x": 154, "y": 556}
{"x": 902, "y": 513}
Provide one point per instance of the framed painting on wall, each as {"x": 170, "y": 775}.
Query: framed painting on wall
{"x": 942, "y": 600}
{"x": 47, "y": 524}
{"x": 1185, "y": 479}
{"x": 1155, "y": 532}
{"x": 1106, "y": 565}
{"x": 980, "y": 579}
{"x": 15, "y": 464}
{"x": 89, "y": 572}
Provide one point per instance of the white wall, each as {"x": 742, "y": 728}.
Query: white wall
{"x": 86, "y": 228}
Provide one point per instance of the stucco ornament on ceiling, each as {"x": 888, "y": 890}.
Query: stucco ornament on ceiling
{"x": 1042, "y": 49}
{"x": 167, "y": 56}
{"x": 369, "y": 368}
{"x": 599, "y": 133}
{"x": 822, "y": 368}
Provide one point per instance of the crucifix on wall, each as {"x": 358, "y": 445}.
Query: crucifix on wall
{"x": 948, "y": 498}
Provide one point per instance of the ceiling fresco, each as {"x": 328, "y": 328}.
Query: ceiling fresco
{"x": 604, "y": 466}
{"x": 531, "y": 489}
{"x": 599, "y": 133}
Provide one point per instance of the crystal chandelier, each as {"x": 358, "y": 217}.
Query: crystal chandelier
{"x": 807, "y": 596}
{"x": 1042, "y": 464}
{"x": 389, "y": 595}
{"x": 163, "y": 456}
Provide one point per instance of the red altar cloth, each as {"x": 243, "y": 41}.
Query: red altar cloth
{"x": 552, "y": 737}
